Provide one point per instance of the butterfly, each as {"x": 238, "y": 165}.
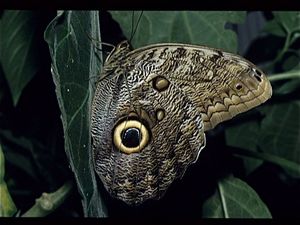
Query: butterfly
{"x": 153, "y": 105}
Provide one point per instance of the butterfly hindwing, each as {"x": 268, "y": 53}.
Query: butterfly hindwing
{"x": 175, "y": 130}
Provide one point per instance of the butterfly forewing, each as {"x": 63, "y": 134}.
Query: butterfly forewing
{"x": 152, "y": 107}
{"x": 220, "y": 83}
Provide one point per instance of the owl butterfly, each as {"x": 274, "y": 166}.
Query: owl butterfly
{"x": 153, "y": 105}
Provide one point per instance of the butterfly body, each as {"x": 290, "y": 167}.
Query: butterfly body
{"x": 152, "y": 106}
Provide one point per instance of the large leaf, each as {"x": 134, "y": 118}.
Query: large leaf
{"x": 203, "y": 28}
{"x": 73, "y": 62}
{"x": 234, "y": 199}
{"x": 278, "y": 134}
{"x": 18, "y": 49}
{"x": 235, "y": 136}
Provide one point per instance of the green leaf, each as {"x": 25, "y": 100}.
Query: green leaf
{"x": 20, "y": 159}
{"x": 283, "y": 23}
{"x": 244, "y": 136}
{"x": 280, "y": 132}
{"x": 234, "y": 199}
{"x": 289, "y": 20}
{"x": 203, "y": 28}
{"x": 7, "y": 205}
{"x": 273, "y": 27}
{"x": 73, "y": 62}
{"x": 291, "y": 63}
{"x": 288, "y": 87}
{"x": 19, "y": 51}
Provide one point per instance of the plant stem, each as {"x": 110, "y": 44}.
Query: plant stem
{"x": 267, "y": 157}
{"x": 281, "y": 53}
{"x": 47, "y": 203}
{"x": 282, "y": 76}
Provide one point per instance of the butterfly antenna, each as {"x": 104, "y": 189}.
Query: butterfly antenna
{"x": 100, "y": 42}
{"x": 132, "y": 25}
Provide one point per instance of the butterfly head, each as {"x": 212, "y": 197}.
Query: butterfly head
{"x": 119, "y": 52}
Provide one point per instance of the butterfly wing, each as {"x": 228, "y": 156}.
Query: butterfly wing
{"x": 172, "y": 136}
{"x": 152, "y": 107}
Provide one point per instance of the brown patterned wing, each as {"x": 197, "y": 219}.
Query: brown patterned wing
{"x": 145, "y": 135}
{"x": 220, "y": 84}
{"x": 152, "y": 107}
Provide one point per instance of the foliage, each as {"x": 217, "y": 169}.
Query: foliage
{"x": 35, "y": 141}
{"x": 72, "y": 63}
{"x": 7, "y": 206}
